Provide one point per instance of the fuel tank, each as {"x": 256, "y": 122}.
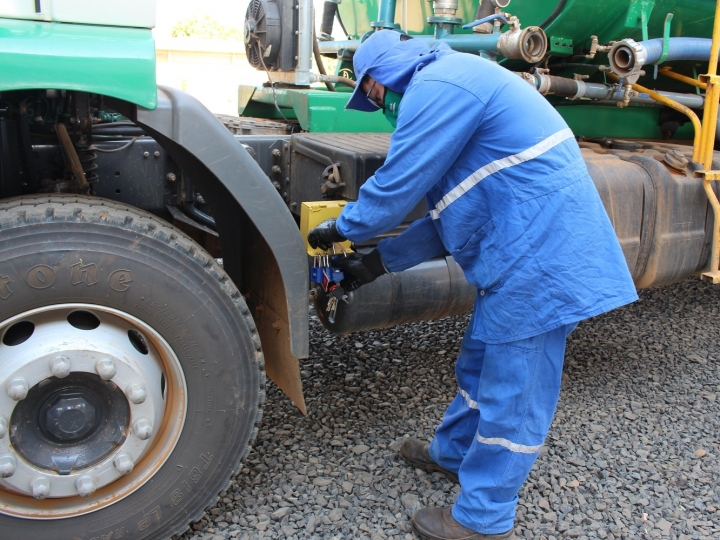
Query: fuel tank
{"x": 658, "y": 209}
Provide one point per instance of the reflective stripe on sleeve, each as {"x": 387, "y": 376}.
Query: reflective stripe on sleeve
{"x": 513, "y": 447}
{"x": 498, "y": 165}
{"x": 470, "y": 403}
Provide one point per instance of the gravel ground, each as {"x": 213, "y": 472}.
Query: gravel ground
{"x": 633, "y": 451}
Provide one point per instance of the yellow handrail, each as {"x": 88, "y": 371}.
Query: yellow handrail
{"x": 707, "y": 145}
{"x": 712, "y": 94}
{"x": 668, "y": 72}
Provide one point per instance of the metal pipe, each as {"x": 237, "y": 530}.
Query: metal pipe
{"x": 428, "y": 291}
{"x": 529, "y": 44}
{"x": 404, "y": 19}
{"x": 305, "y": 37}
{"x": 386, "y": 15}
{"x": 468, "y": 43}
{"x": 329, "y": 47}
{"x": 461, "y": 43}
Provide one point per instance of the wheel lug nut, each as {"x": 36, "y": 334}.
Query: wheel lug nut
{"x": 8, "y": 463}
{"x": 40, "y": 487}
{"x": 136, "y": 393}
{"x": 17, "y": 389}
{"x": 123, "y": 463}
{"x": 3, "y": 426}
{"x": 85, "y": 486}
{"x": 105, "y": 368}
{"x": 142, "y": 428}
{"x": 60, "y": 366}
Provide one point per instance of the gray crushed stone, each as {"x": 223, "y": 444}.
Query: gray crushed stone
{"x": 633, "y": 452}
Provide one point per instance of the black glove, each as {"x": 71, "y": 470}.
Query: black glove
{"x": 360, "y": 269}
{"x": 324, "y": 235}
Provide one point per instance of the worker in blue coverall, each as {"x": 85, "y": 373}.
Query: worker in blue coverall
{"x": 511, "y": 200}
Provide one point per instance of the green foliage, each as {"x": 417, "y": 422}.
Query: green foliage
{"x": 206, "y": 28}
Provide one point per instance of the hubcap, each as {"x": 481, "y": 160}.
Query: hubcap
{"x": 93, "y": 404}
{"x": 65, "y": 425}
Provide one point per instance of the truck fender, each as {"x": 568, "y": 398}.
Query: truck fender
{"x": 263, "y": 251}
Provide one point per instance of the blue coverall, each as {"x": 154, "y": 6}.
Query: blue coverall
{"x": 510, "y": 198}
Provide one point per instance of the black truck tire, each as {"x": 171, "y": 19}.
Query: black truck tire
{"x": 89, "y": 282}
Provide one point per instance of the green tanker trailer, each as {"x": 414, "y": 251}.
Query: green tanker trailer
{"x": 152, "y": 268}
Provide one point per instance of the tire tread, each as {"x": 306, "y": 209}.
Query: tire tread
{"x": 43, "y": 208}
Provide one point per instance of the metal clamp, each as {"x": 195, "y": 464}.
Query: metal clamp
{"x": 666, "y": 39}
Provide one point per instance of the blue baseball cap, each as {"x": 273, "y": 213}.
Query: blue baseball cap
{"x": 369, "y": 51}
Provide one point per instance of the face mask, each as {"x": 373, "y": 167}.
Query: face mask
{"x": 392, "y": 106}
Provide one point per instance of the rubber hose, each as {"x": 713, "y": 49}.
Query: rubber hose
{"x": 329, "y": 10}
{"x": 553, "y": 15}
{"x": 319, "y": 62}
{"x": 485, "y": 9}
{"x": 563, "y": 86}
{"x": 679, "y": 48}
{"x": 346, "y": 82}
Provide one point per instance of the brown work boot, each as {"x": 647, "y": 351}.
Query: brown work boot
{"x": 416, "y": 454}
{"x": 439, "y": 524}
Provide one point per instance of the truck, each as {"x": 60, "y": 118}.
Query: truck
{"x": 153, "y": 266}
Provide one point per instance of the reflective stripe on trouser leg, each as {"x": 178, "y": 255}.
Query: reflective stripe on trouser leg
{"x": 517, "y": 394}
{"x": 457, "y": 431}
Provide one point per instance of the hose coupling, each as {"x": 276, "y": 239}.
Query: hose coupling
{"x": 529, "y": 44}
{"x": 627, "y": 57}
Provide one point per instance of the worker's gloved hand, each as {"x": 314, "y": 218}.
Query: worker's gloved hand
{"x": 324, "y": 235}
{"x": 360, "y": 269}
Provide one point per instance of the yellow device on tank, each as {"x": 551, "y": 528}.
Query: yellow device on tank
{"x": 312, "y": 214}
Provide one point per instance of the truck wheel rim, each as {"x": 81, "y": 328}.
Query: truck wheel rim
{"x": 92, "y": 403}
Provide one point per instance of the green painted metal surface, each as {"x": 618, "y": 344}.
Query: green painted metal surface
{"x": 112, "y": 61}
{"x": 568, "y": 33}
{"x": 317, "y": 110}
{"x": 597, "y": 121}
{"x": 579, "y": 19}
